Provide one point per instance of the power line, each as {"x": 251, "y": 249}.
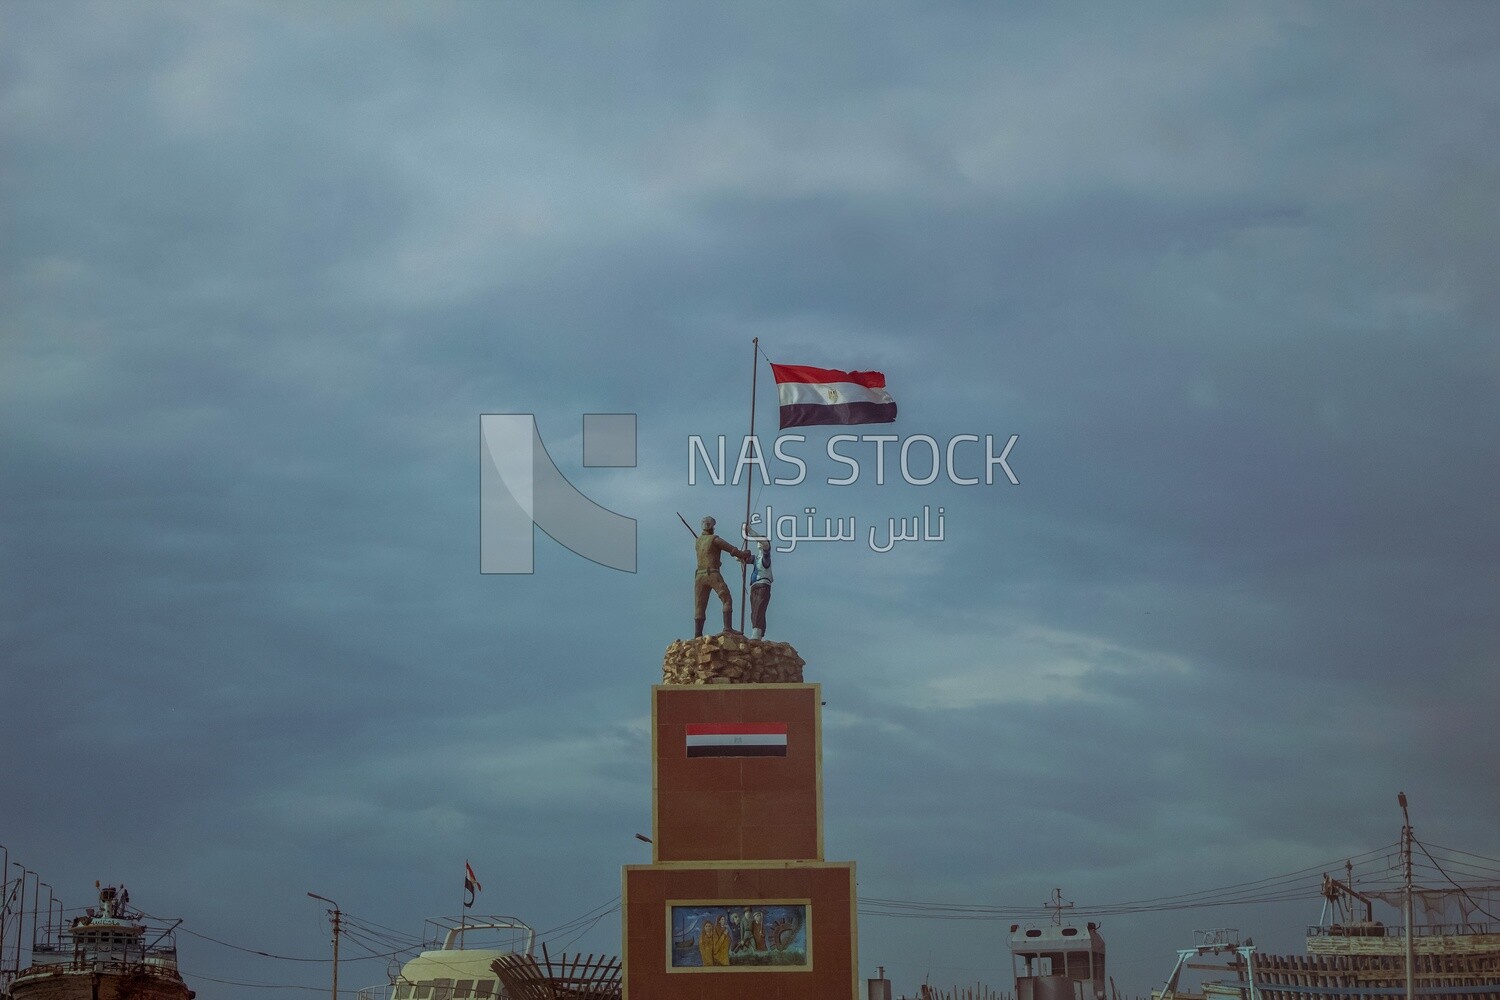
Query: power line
{"x": 1295, "y": 885}
{"x": 267, "y": 954}
{"x": 260, "y": 986}
{"x": 1460, "y": 888}
{"x": 588, "y": 915}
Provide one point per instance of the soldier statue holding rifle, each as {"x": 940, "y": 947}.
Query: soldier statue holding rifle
{"x": 710, "y": 547}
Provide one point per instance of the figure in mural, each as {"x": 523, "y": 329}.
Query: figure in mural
{"x": 709, "y": 547}
{"x": 706, "y": 935}
{"x": 760, "y": 588}
{"x": 721, "y": 943}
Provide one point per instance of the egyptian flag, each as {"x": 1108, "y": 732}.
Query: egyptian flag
{"x": 736, "y": 739}
{"x": 471, "y": 885}
{"x": 829, "y": 396}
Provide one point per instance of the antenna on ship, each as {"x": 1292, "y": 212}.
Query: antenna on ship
{"x": 1406, "y": 838}
{"x": 1057, "y": 905}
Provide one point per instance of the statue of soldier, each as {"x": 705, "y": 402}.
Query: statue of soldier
{"x": 709, "y": 546}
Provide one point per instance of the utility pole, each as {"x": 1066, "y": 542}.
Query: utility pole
{"x": 20, "y": 912}
{"x": 47, "y": 932}
{"x": 336, "y": 914}
{"x": 4, "y": 901}
{"x": 1406, "y": 838}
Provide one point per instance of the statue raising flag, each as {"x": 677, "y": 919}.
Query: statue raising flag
{"x": 471, "y": 885}
{"x": 808, "y": 396}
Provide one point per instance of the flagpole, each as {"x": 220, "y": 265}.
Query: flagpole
{"x": 754, "y": 372}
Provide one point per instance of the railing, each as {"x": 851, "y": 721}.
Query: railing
{"x": 132, "y": 968}
{"x": 387, "y": 990}
{"x": 58, "y": 957}
{"x": 1396, "y": 931}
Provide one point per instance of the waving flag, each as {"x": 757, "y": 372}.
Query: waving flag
{"x": 829, "y": 396}
{"x": 471, "y": 884}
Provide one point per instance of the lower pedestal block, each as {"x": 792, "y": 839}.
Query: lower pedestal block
{"x": 782, "y": 930}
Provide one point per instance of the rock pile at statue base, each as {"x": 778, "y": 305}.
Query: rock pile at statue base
{"x": 731, "y": 659}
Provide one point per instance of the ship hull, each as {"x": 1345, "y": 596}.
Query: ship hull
{"x": 78, "y": 985}
{"x": 1467, "y": 968}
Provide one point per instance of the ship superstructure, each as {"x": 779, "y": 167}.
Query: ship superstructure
{"x": 110, "y": 953}
{"x": 1353, "y": 956}
{"x": 1451, "y": 953}
{"x": 1058, "y": 961}
{"x": 459, "y": 966}
{"x": 1367, "y": 958}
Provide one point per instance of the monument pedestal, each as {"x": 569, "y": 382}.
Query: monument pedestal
{"x": 738, "y": 903}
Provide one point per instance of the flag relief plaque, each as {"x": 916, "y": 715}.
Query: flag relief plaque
{"x": 736, "y": 739}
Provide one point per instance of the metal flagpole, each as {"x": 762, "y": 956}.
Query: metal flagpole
{"x": 754, "y": 372}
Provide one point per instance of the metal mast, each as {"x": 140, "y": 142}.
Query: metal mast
{"x": 1406, "y": 839}
{"x": 744, "y": 535}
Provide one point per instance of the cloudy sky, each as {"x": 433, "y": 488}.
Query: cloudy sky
{"x": 1226, "y": 271}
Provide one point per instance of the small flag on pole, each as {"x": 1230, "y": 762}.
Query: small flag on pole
{"x": 471, "y": 884}
{"x": 829, "y": 396}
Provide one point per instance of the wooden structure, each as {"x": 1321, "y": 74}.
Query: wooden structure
{"x": 1364, "y": 961}
{"x": 1470, "y": 974}
{"x": 576, "y": 978}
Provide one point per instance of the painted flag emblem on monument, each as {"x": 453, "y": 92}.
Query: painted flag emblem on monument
{"x": 829, "y": 396}
{"x": 736, "y": 739}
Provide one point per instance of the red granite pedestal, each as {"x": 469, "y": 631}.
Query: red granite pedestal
{"x": 738, "y": 903}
